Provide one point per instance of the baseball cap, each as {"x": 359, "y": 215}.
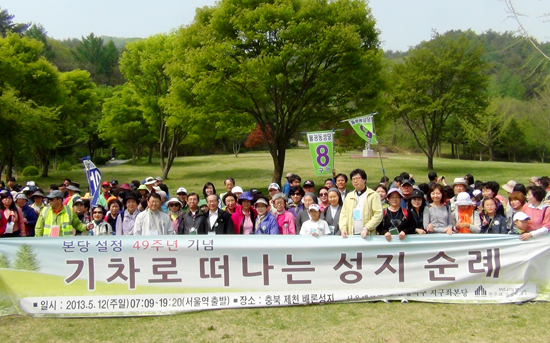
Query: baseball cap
{"x": 55, "y": 194}
{"x": 314, "y": 207}
{"x": 181, "y": 190}
{"x": 261, "y": 201}
{"x": 309, "y": 183}
{"x": 273, "y": 185}
{"x": 520, "y": 216}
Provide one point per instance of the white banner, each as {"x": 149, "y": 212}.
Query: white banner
{"x": 136, "y": 275}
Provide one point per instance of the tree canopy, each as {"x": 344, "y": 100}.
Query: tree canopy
{"x": 285, "y": 63}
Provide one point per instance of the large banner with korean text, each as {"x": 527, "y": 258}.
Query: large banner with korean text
{"x": 141, "y": 275}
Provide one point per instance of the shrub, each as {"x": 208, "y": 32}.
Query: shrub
{"x": 100, "y": 160}
{"x": 121, "y": 157}
{"x": 65, "y": 165}
{"x": 30, "y": 171}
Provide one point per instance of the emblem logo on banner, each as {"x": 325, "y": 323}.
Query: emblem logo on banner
{"x": 94, "y": 180}
{"x": 321, "y": 146}
{"x": 364, "y": 128}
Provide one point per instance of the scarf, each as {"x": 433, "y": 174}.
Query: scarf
{"x": 465, "y": 217}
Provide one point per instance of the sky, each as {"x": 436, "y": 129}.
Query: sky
{"x": 402, "y": 23}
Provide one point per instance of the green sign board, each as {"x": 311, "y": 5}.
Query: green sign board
{"x": 322, "y": 151}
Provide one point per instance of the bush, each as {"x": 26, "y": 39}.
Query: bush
{"x": 100, "y": 160}
{"x": 121, "y": 157}
{"x": 30, "y": 171}
{"x": 65, "y": 166}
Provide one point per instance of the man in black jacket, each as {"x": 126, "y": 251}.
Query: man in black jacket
{"x": 216, "y": 221}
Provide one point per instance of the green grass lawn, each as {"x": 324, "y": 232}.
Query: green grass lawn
{"x": 357, "y": 322}
{"x": 256, "y": 170}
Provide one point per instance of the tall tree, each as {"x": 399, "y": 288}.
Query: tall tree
{"x": 25, "y": 258}
{"x": 285, "y": 63}
{"x": 7, "y": 25}
{"x": 144, "y": 64}
{"x": 98, "y": 58}
{"x": 440, "y": 78}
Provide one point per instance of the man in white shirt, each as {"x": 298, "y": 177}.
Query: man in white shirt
{"x": 216, "y": 221}
{"x": 152, "y": 221}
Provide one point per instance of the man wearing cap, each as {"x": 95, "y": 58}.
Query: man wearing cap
{"x": 126, "y": 220}
{"x": 57, "y": 219}
{"x": 216, "y": 221}
{"x": 362, "y": 210}
{"x": 81, "y": 210}
{"x": 406, "y": 189}
{"x": 309, "y": 186}
{"x": 181, "y": 194}
{"x": 29, "y": 215}
{"x": 105, "y": 194}
{"x": 152, "y": 221}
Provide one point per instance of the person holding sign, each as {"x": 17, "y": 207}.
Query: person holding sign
{"x": 362, "y": 210}
{"x": 57, "y": 219}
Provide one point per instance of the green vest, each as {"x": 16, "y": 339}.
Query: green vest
{"x": 63, "y": 219}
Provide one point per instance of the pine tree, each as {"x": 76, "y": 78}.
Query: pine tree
{"x": 26, "y": 259}
{"x": 4, "y": 261}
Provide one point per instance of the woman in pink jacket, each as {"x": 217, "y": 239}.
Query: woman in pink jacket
{"x": 285, "y": 219}
{"x": 537, "y": 211}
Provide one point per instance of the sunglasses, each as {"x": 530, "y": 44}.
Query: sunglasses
{"x": 173, "y": 205}
{"x": 97, "y": 212}
{"x": 323, "y": 194}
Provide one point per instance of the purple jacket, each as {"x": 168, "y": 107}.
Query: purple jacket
{"x": 268, "y": 226}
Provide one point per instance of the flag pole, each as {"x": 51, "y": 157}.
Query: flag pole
{"x": 378, "y": 146}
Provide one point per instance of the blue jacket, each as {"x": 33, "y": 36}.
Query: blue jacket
{"x": 269, "y": 226}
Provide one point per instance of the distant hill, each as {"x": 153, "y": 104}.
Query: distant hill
{"x": 120, "y": 42}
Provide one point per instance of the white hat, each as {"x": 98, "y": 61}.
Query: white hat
{"x": 273, "y": 185}
{"x": 476, "y": 192}
{"x": 261, "y": 201}
{"x": 181, "y": 190}
{"x": 314, "y": 207}
{"x": 463, "y": 198}
{"x": 173, "y": 200}
{"x": 20, "y": 196}
{"x": 30, "y": 184}
{"x": 150, "y": 180}
{"x": 459, "y": 181}
{"x": 520, "y": 216}
{"x": 162, "y": 194}
{"x": 509, "y": 186}
{"x": 394, "y": 190}
{"x": 158, "y": 178}
{"x": 236, "y": 189}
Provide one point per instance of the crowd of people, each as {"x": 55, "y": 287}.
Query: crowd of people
{"x": 392, "y": 208}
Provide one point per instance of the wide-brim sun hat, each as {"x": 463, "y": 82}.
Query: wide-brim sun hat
{"x": 463, "y": 199}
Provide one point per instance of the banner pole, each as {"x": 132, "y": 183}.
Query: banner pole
{"x": 378, "y": 146}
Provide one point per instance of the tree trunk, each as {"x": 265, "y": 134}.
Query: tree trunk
{"x": 236, "y": 148}
{"x": 150, "y": 160}
{"x": 45, "y": 160}
{"x": 490, "y": 154}
{"x": 452, "y": 150}
{"x": 177, "y": 137}
{"x": 278, "y": 153}
{"x": 481, "y": 154}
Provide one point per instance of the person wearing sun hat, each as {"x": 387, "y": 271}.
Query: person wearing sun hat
{"x": 459, "y": 185}
{"x": 37, "y": 199}
{"x": 149, "y": 183}
{"x": 175, "y": 213}
{"x": 244, "y": 216}
{"x": 466, "y": 217}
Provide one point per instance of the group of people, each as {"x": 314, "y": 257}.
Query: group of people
{"x": 397, "y": 208}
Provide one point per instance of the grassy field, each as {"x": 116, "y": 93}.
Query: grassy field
{"x": 256, "y": 170}
{"x": 362, "y": 322}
